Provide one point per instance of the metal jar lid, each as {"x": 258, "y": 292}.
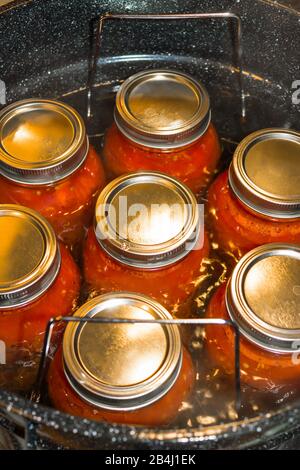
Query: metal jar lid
{"x": 265, "y": 173}
{"x": 263, "y": 296}
{"x": 147, "y": 220}
{"x": 29, "y": 256}
{"x": 162, "y": 109}
{"x": 41, "y": 141}
{"x": 122, "y": 366}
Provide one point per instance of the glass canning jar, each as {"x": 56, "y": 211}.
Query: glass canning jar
{"x": 38, "y": 280}
{"x": 137, "y": 373}
{"x": 263, "y": 299}
{"x": 163, "y": 123}
{"x": 257, "y": 200}
{"x": 148, "y": 237}
{"x": 47, "y": 164}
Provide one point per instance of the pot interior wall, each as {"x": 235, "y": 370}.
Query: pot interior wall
{"x": 46, "y": 46}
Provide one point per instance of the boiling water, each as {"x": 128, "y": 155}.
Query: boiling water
{"x": 213, "y": 398}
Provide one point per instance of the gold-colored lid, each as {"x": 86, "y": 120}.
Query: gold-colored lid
{"x": 41, "y": 141}
{"x": 147, "y": 220}
{"x": 125, "y": 365}
{"x": 162, "y": 108}
{"x": 29, "y": 256}
{"x": 263, "y": 296}
{"x": 265, "y": 173}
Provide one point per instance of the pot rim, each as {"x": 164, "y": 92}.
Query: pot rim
{"x": 45, "y": 416}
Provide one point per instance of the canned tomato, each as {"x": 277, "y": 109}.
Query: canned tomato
{"x": 137, "y": 373}
{"x": 258, "y": 200}
{"x": 163, "y": 123}
{"x": 46, "y": 164}
{"x": 263, "y": 299}
{"x": 148, "y": 237}
{"x": 38, "y": 280}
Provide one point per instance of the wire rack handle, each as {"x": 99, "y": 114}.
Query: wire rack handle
{"x": 227, "y": 15}
{"x": 187, "y": 321}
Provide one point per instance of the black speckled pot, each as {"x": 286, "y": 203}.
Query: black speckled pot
{"x": 44, "y": 52}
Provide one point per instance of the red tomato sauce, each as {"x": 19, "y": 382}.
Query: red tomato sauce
{"x": 67, "y": 204}
{"x": 238, "y": 230}
{"x": 193, "y": 165}
{"x": 260, "y": 369}
{"x": 170, "y": 285}
{"x": 22, "y": 329}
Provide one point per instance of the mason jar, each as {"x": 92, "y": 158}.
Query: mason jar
{"x": 129, "y": 373}
{"x": 257, "y": 200}
{"x": 148, "y": 237}
{"x": 38, "y": 280}
{"x": 47, "y": 164}
{"x": 263, "y": 299}
{"x": 162, "y": 122}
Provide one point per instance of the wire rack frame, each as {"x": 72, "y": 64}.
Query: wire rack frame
{"x": 45, "y": 357}
{"x": 98, "y": 37}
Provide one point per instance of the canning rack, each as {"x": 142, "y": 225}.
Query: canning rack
{"x": 221, "y": 322}
{"x": 97, "y": 40}
{"x": 28, "y": 429}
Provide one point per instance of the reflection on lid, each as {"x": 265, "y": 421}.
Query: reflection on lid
{"x": 38, "y": 136}
{"x": 29, "y": 255}
{"x": 156, "y": 213}
{"x": 41, "y": 141}
{"x": 274, "y": 166}
{"x": 263, "y": 298}
{"x": 265, "y": 173}
{"x": 122, "y": 366}
{"x": 269, "y": 290}
{"x": 21, "y": 249}
{"x": 122, "y": 354}
{"x": 162, "y": 109}
{"x": 147, "y": 219}
{"x": 162, "y": 103}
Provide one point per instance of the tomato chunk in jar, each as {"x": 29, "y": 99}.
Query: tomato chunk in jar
{"x": 148, "y": 237}
{"x": 163, "y": 123}
{"x": 262, "y": 299}
{"x": 47, "y": 164}
{"x": 38, "y": 280}
{"x": 137, "y": 373}
{"x": 258, "y": 200}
